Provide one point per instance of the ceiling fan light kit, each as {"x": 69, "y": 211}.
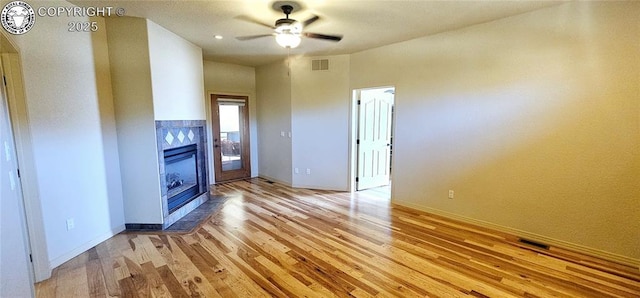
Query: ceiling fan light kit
{"x": 288, "y": 40}
{"x": 288, "y": 32}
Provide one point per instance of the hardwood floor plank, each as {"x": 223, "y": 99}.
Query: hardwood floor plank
{"x": 245, "y": 281}
{"x": 47, "y": 288}
{"x": 95, "y": 278}
{"x": 170, "y": 282}
{"x": 285, "y": 281}
{"x": 137, "y": 276}
{"x": 324, "y": 271}
{"x": 259, "y": 275}
{"x": 128, "y": 288}
{"x": 107, "y": 264}
{"x": 187, "y": 273}
{"x": 155, "y": 282}
{"x": 205, "y": 269}
{"x": 121, "y": 271}
{"x": 597, "y": 276}
{"x": 72, "y": 282}
{"x": 270, "y": 240}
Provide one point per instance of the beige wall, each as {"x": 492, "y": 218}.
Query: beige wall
{"x": 69, "y": 109}
{"x": 231, "y": 79}
{"x": 134, "y": 110}
{"x": 273, "y": 90}
{"x": 303, "y": 122}
{"x": 532, "y": 120}
{"x": 176, "y": 75}
{"x": 157, "y": 75}
{"x": 320, "y": 107}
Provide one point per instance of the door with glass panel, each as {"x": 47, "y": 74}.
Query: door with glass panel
{"x": 230, "y": 121}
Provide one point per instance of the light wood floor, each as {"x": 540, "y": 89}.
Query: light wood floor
{"x": 271, "y": 240}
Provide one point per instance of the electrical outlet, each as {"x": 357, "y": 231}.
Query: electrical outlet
{"x": 296, "y": 170}
{"x": 308, "y": 171}
{"x": 282, "y": 133}
{"x": 70, "y": 224}
{"x": 450, "y": 194}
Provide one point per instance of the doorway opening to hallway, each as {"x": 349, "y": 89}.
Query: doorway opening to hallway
{"x": 373, "y": 140}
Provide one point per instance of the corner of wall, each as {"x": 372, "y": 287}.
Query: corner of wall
{"x": 273, "y": 92}
{"x": 134, "y": 115}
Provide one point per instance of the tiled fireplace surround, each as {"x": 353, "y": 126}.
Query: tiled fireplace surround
{"x": 174, "y": 134}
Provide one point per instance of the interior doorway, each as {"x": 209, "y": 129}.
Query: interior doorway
{"x": 230, "y": 128}
{"x": 15, "y": 252}
{"x": 373, "y": 131}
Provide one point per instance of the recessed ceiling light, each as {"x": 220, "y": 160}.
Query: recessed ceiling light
{"x": 218, "y": 37}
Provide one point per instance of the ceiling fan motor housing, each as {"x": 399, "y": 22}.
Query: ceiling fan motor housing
{"x": 288, "y": 26}
{"x": 282, "y": 22}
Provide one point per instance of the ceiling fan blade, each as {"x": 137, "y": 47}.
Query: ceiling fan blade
{"x": 255, "y": 21}
{"x": 310, "y": 21}
{"x": 323, "y": 36}
{"x": 250, "y": 37}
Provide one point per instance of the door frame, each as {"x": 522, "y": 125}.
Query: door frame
{"x": 355, "y": 117}
{"x": 12, "y": 67}
{"x": 245, "y": 172}
{"x": 17, "y": 197}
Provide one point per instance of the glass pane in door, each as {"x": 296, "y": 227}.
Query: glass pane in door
{"x": 230, "y": 136}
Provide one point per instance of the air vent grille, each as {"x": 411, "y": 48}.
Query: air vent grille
{"x": 534, "y": 243}
{"x": 320, "y": 64}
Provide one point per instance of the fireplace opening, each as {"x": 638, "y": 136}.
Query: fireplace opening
{"x": 181, "y": 174}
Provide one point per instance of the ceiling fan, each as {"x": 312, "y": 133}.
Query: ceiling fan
{"x": 288, "y": 32}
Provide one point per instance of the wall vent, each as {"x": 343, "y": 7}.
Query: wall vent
{"x": 534, "y": 243}
{"x": 320, "y": 64}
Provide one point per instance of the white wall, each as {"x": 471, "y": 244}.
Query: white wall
{"x": 134, "y": 112}
{"x": 320, "y": 110}
{"x": 273, "y": 90}
{"x": 533, "y": 120}
{"x": 231, "y": 79}
{"x": 176, "y": 76}
{"x": 71, "y": 122}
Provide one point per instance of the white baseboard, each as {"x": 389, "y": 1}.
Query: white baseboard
{"x": 82, "y": 248}
{"x": 274, "y": 180}
{"x": 531, "y": 236}
{"x": 307, "y": 186}
{"x": 310, "y": 186}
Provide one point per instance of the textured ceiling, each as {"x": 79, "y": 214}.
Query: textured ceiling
{"x": 364, "y": 24}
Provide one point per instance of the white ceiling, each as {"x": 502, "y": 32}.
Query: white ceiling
{"x": 364, "y": 24}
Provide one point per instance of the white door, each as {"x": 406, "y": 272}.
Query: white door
{"x": 374, "y": 138}
{"x": 15, "y": 268}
